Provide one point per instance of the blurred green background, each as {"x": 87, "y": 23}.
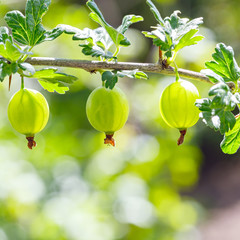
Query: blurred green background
{"x": 72, "y": 187}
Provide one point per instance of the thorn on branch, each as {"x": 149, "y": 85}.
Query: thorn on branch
{"x": 161, "y": 61}
{"x": 164, "y": 64}
{"x": 160, "y": 54}
{"x": 9, "y": 84}
{"x": 91, "y": 70}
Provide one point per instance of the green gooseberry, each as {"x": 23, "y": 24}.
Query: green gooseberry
{"x": 28, "y": 113}
{"x": 177, "y": 106}
{"x": 107, "y": 111}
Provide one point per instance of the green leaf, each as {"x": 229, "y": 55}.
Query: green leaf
{"x": 127, "y": 21}
{"x": 213, "y": 77}
{"x": 178, "y": 27}
{"x": 27, "y": 67}
{"x": 155, "y": 12}
{"x": 92, "y": 36}
{"x": 58, "y": 30}
{"x": 51, "y": 80}
{"x": 217, "y": 112}
{"x": 110, "y": 79}
{"x": 159, "y": 39}
{"x": 188, "y": 39}
{"x": 173, "y": 33}
{"x": 35, "y": 9}
{"x": 16, "y": 20}
{"x": 219, "y": 120}
{"x": 231, "y": 141}
{"x": 227, "y": 119}
{"x": 52, "y": 74}
{"x": 96, "y": 15}
{"x": 218, "y": 88}
{"x": 224, "y": 63}
{"x": 6, "y": 69}
{"x": 4, "y": 34}
{"x": 96, "y": 51}
{"x": 28, "y": 29}
{"x": 132, "y": 74}
{"x": 97, "y": 36}
{"x": 54, "y": 86}
{"x": 10, "y": 51}
{"x": 97, "y": 41}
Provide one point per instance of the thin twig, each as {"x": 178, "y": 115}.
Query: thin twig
{"x": 92, "y": 66}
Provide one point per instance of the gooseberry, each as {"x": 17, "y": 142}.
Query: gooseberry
{"x": 28, "y": 112}
{"x": 107, "y": 111}
{"x": 177, "y": 106}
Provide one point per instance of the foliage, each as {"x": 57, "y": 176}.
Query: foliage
{"x": 100, "y": 42}
{"x": 28, "y": 31}
{"x": 72, "y": 188}
{"x": 173, "y": 33}
{"x": 217, "y": 111}
{"x": 51, "y": 80}
{"x": 231, "y": 141}
{"x": 110, "y": 78}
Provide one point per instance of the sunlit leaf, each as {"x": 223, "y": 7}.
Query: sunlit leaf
{"x": 224, "y": 63}
{"x": 213, "y": 77}
{"x": 117, "y": 37}
{"x": 7, "y": 69}
{"x": 28, "y": 29}
{"x": 28, "y": 68}
{"x": 155, "y": 12}
{"x": 132, "y": 74}
{"x": 217, "y": 112}
{"x": 173, "y": 33}
{"x": 51, "y": 80}
{"x": 54, "y": 86}
{"x": 52, "y": 74}
{"x": 127, "y": 21}
{"x": 231, "y": 141}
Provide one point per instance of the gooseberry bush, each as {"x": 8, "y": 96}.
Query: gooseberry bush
{"x": 107, "y": 106}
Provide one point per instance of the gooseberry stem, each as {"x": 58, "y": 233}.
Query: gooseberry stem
{"x": 22, "y": 82}
{"x": 181, "y": 138}
{"x": 31, "y": 142}
{"x": 176, "y": 71}
{"x": 116, "y": 52}
{"x": 109, "y": 140}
